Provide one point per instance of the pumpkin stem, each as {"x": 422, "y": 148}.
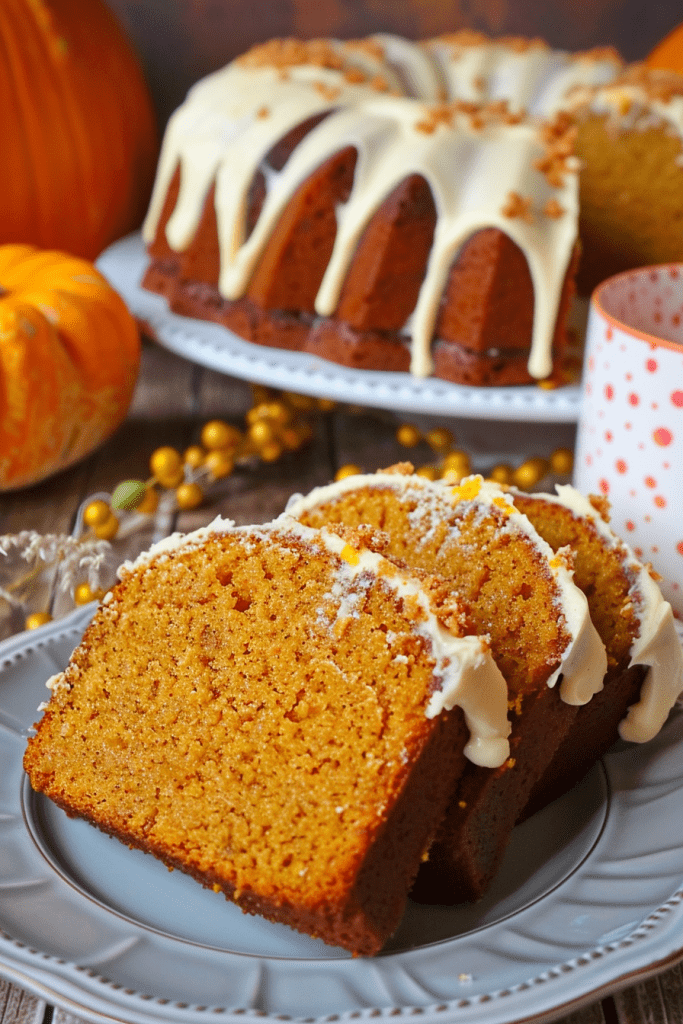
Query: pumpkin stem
{"x": 3, "y": 292}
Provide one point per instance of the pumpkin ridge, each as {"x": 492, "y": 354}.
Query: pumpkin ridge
{"x": 17, "y": 170}
{"x": 79, "y": 127}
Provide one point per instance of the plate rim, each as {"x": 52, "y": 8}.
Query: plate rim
{"x": 218, "y": 348}
{"x": 57, "y": 980}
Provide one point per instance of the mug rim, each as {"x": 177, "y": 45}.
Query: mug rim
{"x": 635, "y": 332}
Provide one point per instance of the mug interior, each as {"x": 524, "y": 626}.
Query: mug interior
{"x": 647, "y": 302}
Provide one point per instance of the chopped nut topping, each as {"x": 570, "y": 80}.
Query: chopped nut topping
{"x": 599, "y": 53}
{"x": 601, "y": 505}
{"x": 518, "y": 206}
{"x": 553, "y": 209}
{"x": 328, "y": 92}
{"x": 370, "y": 46}
{"x": 469, "y": 37}
{"x": 559, "y": 138}
{"x": 379, "y": 83}
{"x": 284, "y": 53}
{"x": 656, "y": 83}
{"x": 480, "y": 115}
{"x": 354, "y": 76}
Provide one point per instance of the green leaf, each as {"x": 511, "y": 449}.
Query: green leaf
{"x": 128, "y": 495}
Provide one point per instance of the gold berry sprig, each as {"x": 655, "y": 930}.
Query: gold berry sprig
{"x": 452, "y": 464}
{"x": 276, "y": 424}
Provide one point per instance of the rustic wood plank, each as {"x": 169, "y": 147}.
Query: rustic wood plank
{"x": 593, "y": 1014}
{"x": 62, "y": 1017}
{"x": 18, "y": 1007}
{"x": 165, "y": 385}
{"x": 657, "y": 1001}
{"x": 368, "y": 439}
{"x": 217, "y": 396}
{"x": 671, "y": 987}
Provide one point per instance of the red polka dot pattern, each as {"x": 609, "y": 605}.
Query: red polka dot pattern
{"x": 630, "y": 441}
{"x": 662, "y": 436}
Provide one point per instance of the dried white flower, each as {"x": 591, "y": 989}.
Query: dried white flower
{"x": 71, "y": 554}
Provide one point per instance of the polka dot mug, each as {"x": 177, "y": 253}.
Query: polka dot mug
{"x": 630, "y": 437}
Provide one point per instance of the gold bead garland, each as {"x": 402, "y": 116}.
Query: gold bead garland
{"x": 277, "y": 423}
{"x": 453, "y": 463}
{"x": 37, "y": 619}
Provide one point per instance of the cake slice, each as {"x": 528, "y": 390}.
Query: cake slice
{"x": 630, "y": 142}
{"x": 281, "y": 713}
{"x": 644, "y": 657}
{"x": 515, "y": 589}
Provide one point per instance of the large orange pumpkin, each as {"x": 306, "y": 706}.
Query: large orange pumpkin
{"x": 79, "y": 141}
{"x": 69, "y": 358}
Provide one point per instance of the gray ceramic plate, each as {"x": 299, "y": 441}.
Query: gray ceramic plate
{"x": 589, "y": 899}
{"x": 220, "y": 349}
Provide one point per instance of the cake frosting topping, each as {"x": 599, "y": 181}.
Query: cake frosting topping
{"x": 584, "y": 661}
{"x": 527, "y": 72}
{"x": 657, "y": 644}
{"x": 469, "y": 676}
{"x": 639, "y": 98}
{"x": 232, "y": 119}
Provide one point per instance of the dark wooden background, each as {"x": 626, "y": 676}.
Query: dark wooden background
{"x": 179, "y": 41}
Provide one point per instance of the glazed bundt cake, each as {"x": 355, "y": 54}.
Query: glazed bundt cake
{"x": 335, "y": 198}
{"x": 644, "y": 657}
{"x": 280, "y": 712}
{"x": 520, "y": 594}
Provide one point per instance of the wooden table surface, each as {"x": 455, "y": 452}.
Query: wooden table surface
{"x": 173, "y": 400}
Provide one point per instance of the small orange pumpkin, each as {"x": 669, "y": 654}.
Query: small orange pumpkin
{"x": 668, "y": 54}
{"x": 69, "y": 358}
{"x": 79, "y": 140}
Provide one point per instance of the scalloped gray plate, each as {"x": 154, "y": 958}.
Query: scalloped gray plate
{"x": 218, "y": 348}
{"x": 589, "y": 899}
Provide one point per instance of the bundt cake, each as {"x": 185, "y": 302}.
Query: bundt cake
{"x": 630, "y": 141}
{"x": 644, "y": 657}
{"x": 335, "y": 198}
{"x": 519, "y": 593}
{"x": 280, "y": 712}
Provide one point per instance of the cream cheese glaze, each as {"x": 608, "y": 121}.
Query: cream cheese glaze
{"x": 657, "y": 644}
{"x": 469, "y": 676}
{"x": 527, "y": 73}
{"x": 584, "y": 660}
{"x": 381, "y": 97}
